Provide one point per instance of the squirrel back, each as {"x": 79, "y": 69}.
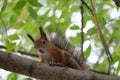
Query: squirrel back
{"x": 59, "y": 40}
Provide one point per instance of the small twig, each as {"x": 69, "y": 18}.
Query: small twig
{"x": 102, "y": 51}
{"x": 100, "y": 56}
{"x": 27, "y": 53}
{"x": 114, "y": 19}
{"x": 100, "y": 33}
{"x": 87, "y": 6}
{"x": 82, "y": 33}
{"x": 22, "y": 52}
{"x": 109, "y": 22}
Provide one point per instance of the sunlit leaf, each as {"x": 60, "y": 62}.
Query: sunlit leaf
{"x": 32, "y": 12}
{"x": 51, "y": 1}
{"x": 103, "y": 22}
{"x": 29, "y": 27}
{"x": 92, "y": 31}
{"x": 20, "y": 4}
{"x": 12, "y": 76}
{"x": 117, "y": 23}
{"x": 27, "y": 79}
{"x": 76, "y": 40}
{"x": 18, "y": 25}
{"x": 87, "y": 52}
{"x": 13, "y": 18}
{"x": 4, "y": 6}
{"x": 14, "y": 37}
{"x": 115, "y": 34}
{"x": 101, "y": 14}
{"x": 10, "y": 46}
{"x": 101, "y": 67}
{"x": 118, "y": 69}
{"x": 35, "y": 3}
{"x": 75, "y": 28}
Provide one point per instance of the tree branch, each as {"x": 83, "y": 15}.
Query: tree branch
{"x": 100, "y": 33}
{"x": 82, "y": 33}
{"x": 22, "y": 52}
{"x": 18, "y": 64}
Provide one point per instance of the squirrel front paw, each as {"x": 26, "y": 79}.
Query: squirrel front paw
{"x": 55, "y": 64}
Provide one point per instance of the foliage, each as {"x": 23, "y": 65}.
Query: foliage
{"x": 12, "y": 76}
{"x": 18, "y": 17}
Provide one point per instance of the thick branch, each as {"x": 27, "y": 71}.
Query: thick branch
{"x": 18, "y": 64}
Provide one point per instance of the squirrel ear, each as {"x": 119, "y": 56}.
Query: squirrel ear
{"x": 31, "y": 38}
{"x": 43, "y": 35}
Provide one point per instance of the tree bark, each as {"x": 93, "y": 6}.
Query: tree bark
{"x": 18, "y": 64}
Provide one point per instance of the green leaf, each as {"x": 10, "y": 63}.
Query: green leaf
{"x": 35, "y": 3}
{"x": 103, "y": 22}
{"x": 4, "y": 6}
{"x": 30, "y": 27}
{"x": 116, "y": 55}
{"x": 101, "y": 14}
{"x": 92, "y": 31}
{"x": 88, "y": 16}
{"x": 9, "y": 45}
{"x": 117, "y": 23}
{"x": 13, "y": 37}
{"x": 118, "y": 68}
{"x": 74, "y": 28}
{"x": 51, "y": 1}
{"x": 27, "y": 79}
{"x": 20, "y": 4}
{"x": 115, "y": 34}
{"x": 13, "y": 18}
{"x": 76, "y": 40}
{"x": 101, "y": 67}
{"x": 18, "y": 25}
{"x": 32, "y": 12}
{"x": 87, "y": 52}
{"x": 12, "y": 76}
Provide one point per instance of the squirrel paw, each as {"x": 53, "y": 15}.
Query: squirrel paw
{"x": 51, "y": 63}
{"x": 59, "y": 64}
{"x": 55, "y": 64}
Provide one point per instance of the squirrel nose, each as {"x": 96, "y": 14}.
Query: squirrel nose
{"x": 41, "y": 50}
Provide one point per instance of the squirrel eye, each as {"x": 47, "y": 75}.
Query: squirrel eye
{"x": 43, "y": 41}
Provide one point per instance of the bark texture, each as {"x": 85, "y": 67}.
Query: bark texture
{"x": 18, "y": 64}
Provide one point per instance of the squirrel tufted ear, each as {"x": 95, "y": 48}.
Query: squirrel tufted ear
{"x": 43, "y": 35}
{"x": 31, "y": 38}
{"x": 41, "y": 30}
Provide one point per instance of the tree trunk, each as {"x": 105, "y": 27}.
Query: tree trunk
{"x": 18, "y": 64}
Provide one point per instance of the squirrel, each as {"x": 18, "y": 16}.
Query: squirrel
{"x": 57, "y": 51}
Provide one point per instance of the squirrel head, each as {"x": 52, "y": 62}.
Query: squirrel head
{"x": 42, "y": 43}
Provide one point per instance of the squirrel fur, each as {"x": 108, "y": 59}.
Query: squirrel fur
{"x": 57, "y": 51}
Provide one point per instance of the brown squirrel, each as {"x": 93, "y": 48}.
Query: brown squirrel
{"x": 56, "y": 51}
